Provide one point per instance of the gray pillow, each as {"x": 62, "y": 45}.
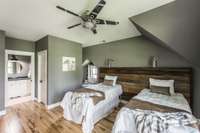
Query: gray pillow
{"x": 108, "y": 82}
{"x": 160, "y": 90}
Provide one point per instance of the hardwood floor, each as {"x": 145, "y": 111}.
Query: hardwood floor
{"x": 32, "y": 117}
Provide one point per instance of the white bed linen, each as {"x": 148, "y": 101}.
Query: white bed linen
{"x": 92, "y": 113}
{"x": 176, "y": 101}
{"x": 125, "y": 121}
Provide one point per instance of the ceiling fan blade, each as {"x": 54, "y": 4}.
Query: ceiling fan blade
{"x": 94, "y": 31}
{"x": 108, "y": 22}
{"x": 97, "y": 9}
{"x": 73, "y": 26}
{"x": 70, "y": 12}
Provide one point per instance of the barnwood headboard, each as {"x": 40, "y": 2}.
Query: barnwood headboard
{"x": 133, "y": 80}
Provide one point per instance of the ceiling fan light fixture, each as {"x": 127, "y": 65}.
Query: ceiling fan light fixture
{"x": 90, "y": 20}
{"x": 89, "y": 25}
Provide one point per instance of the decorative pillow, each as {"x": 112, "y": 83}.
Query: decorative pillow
{"x": 108, "y": 82}
{"x": 163, "y": 83}
{"x": 114, "y": 78}
{"x": 160, "y": 90}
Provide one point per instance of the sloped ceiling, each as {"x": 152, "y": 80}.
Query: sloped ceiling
{"x": 33, "y": 19}
{"x": 175, "y": 25}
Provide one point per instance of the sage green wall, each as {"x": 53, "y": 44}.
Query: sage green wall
{"x": 2, "y": 69}
{"x": 18, "y": 44}
{"x": 132, "y": 52}
{"x": 58, "y": 81}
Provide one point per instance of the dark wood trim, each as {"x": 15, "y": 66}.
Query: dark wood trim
{"x": 134, "y": 79}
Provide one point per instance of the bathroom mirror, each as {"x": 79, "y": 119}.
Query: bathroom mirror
{"x": 14, "y": 67}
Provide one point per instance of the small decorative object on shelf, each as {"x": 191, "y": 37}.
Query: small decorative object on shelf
{"x": 154, "y": 61}
{"x": 109, "y": 62}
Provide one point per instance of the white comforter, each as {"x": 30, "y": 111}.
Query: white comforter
{"x": 82, "y": 112}
{"x": 125, "y": 122}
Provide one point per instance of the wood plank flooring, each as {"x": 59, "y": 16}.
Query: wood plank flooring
{"x": 32, "y": 117}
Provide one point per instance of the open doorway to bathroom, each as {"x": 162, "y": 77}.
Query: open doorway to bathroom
{"x": 19, "y": 82}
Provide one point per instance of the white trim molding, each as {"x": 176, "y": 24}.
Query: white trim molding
{"x": 16, "y": 52}
{"x": 51, "y": 106}
{"x": 42, "y": 97}
{"x": 35, "y": 99}
{"x": 2, "y": 113}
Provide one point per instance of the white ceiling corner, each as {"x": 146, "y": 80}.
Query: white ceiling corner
{"x": 33, "y": 19}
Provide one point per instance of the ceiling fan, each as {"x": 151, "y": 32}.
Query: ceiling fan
{"x": 90, "y": 20}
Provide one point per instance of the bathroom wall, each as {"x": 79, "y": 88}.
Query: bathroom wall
{"x": 25, "y": 62}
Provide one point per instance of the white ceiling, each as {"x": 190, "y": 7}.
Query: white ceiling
{"x": 33, "y": 19}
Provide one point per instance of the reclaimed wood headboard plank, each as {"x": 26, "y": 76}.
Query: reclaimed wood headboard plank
{"x": 133, "y": 80}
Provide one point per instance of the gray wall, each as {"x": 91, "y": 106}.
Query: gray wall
{"x": 133, "y": 52}
{"x": 136, "y": 52}
{"x": 11, "y": 44}
{"x": 58, "y": 81}
{"x": 2, "y": 69}
{"x": 176, "y": 26}
{"x": 18, "y": 44}
{"x": 40, "y": 45}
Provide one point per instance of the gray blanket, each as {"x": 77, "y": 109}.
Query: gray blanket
{"x": 157, "y": 122}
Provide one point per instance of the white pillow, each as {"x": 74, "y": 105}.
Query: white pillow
{"x": 163, "y": 83}
{"x": 114, "y": 78}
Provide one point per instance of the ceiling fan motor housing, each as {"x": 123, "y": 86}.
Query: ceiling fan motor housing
{"x": 90, "y": 21}
{"x": 89, "y": 24}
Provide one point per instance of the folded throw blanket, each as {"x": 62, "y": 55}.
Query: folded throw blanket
{"x": 95, "y": 95}
{"x": 153, "y": 118}
{"x": 156, "y": 122}
{"x": 77, "y": 102}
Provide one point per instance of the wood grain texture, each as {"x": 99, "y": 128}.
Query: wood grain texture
{"x": 133, "y": 80}
{"x": 32, "y": 117}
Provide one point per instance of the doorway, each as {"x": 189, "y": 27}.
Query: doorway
{"x": 19, "y": 77}
{"x": 42, "y": 77}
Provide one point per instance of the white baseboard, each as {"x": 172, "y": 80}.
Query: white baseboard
{"x": 49, "y": 107}
{"x": 35, "y": 99}
{"x": 2, "y": 113}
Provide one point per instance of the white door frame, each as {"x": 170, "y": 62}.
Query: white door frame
{"x": 44, "y": 52}
{"x": 16, "y": 52}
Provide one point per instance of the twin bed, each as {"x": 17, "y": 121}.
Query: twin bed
{"x": 146, "y": 112}
{"x": 82, "y": 109}
{"x": 156, "y": 113}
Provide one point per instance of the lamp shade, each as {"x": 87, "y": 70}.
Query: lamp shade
{"x": 86, "y": 62}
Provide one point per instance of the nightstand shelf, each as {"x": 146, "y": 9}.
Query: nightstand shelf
{"x": 126, "y": 97}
